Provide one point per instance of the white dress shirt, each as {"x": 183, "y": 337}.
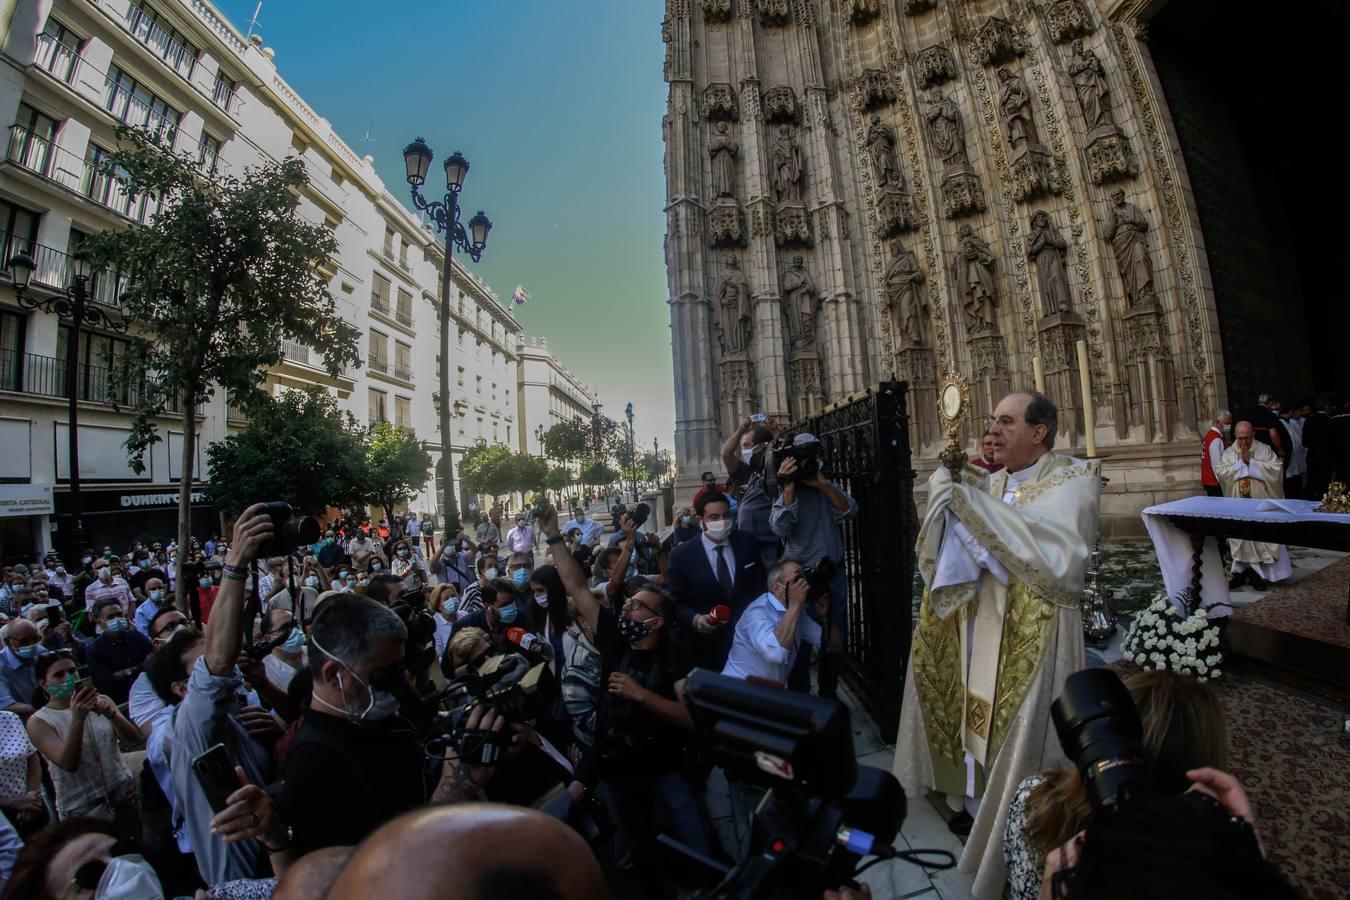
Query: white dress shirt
{"x": 710, "y": 548}
{"x": 756, "y": 650}
{"x": 590, "y": 530}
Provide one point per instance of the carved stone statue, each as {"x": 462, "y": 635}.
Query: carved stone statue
{"x": 1015, "y": 101}
{"x": 723, "y": 149}
{"x": 799, "y": 290}
{"x": 733, "y": 308}
{"x": 1046, "y": 249}
{"x": 974, "y": 273}
{"x": 881, "y": 147}
{"x": 787, "y": 165}
{"x": 947, "y": 129}
{"x": 1128, "y": 230}
{"x": 1089, "y": 82}
{"x": 903, "y": 298}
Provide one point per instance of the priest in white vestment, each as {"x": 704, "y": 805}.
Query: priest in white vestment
{"x": 1003, "y": 558}
{"x": 1250, "y": 469}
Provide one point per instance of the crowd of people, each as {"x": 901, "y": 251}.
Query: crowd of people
{"x": 259, "y": 720}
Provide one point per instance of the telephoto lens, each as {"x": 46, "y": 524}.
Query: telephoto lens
{"x": 1100, "y": 731}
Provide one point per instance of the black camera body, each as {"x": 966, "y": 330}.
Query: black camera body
{"x": 505, "y": 683}
{"x": 818, "y": 578}
{"x": 1100, "y": 730}
{"x": 288, "y": 532}
{"x": 806, "y": 455}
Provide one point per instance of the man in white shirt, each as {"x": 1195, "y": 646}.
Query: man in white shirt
{"x": 520, "y": 539}
{"x": 107, "y": 587}
{"x": 589, "y": 528}
{"x": 773, "y": 626}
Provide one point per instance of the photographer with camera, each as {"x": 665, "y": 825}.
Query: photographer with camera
{"x": 770, "y": 631}
{"x": 590, "y": 529}
{"x": 643, "y": 728}
{"x": 745, "y": 454}
{"x": 806, "y": 517}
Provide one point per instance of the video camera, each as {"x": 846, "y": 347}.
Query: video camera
{"x": 1100, "y": 730}
{"x": 506, "y": 683}
{"x": 807, "y": 455}
{"x": 288, "y": 532}
{"x": 823, "y": 811}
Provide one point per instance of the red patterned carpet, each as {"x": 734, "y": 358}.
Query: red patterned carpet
{"x": 1313, "y": 608}
{"x": 1293, "y": 754}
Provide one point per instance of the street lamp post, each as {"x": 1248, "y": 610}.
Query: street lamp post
{"x": 72, "y": 305}
{"x": 445, "y": 214}
{"x": 632, "y": 453}
{"x": 539, "y": 437}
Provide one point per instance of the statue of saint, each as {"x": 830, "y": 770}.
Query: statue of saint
{"x": 799, "y": 290}
{"x": 787, "y": 164}
{"x": 723, "y": 149}
{"x": 733, "y": 308}
{"x": 974, "y": 273}
{"x": 881, "y": 147}
{"x": 1046, "y": 249}
{"x": 904, "y": 300}
{"x": 1089, "y": 83}
{"x": 1128, "y": 230}
{"x": 1015, "y": 101}
{"x": 947, "y": 129}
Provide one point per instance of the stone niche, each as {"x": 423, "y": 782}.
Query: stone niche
{"x": 719, "y": 102}
{"x": 792, "y": 226}
{"x": 780, "y": 106}
{"x": 914, "y": 7}
{"x": 774, "y": 12}
{"x": 934, "y": 65}
{"x": 895, "y": 214}
{"x": 719, "y": 10}
{"x": 1068, "y": 20}
{"x": 726, "y": 225}
{"x": 996, "y": 42}
{"x": 860, "y": 12}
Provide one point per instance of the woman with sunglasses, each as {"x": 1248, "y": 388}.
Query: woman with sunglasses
{"x": 87, "y": 770}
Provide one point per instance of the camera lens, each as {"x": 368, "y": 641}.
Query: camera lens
{"x": 1100, "y": 731}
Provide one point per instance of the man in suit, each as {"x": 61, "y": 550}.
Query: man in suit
{"x": 721, "y": 567}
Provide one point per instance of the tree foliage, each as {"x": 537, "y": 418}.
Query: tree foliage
{"x": 397, "y": 466}
{"x": 569, "y": 441}
{"x": 598, "y": 473}
{"x": 558, "y": 478}
{"x": 298, "y": 448}
{"x": 494, "y": 470}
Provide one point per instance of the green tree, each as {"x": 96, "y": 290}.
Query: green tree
{"x": 486, "y": 469}
{"x": 298, "y": 448}
{"x": 527, "y": 473}
{"x": 568, "y": 441}
{"x": 558, "y": 478}
{"x": 599, "y": 474}
{"x": 218, "y": 278}
{"x": 396, "y": 467}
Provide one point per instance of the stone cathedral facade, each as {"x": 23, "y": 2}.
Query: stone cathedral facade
{"x": 861, "y": 190}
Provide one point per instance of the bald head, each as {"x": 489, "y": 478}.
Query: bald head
{"x": 1242, "y": 436}
{"x": 310, "y": 877}
{"x": 470, "y": 851}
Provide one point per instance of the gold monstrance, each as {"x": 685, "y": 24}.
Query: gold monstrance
{"x": 953, "y": 407}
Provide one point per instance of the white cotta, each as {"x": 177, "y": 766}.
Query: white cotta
{"x": 1259, "y": 478}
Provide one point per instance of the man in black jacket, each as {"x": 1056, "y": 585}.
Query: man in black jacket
{"x": 723, "y": 567}
{"x": 117, "y": 654}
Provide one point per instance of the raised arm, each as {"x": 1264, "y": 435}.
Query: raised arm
{"x": 731, "y": 450}
{"x": 224, "y": 632}
{"x": 569, "y": 570}
{"x": 614, "y": 588}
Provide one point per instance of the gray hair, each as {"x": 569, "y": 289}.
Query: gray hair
{"x": 776, "y": 570}
{"x": 1041, "y": 410}
{"x": 1265, "y": 398}
{"x": 1221, "y": 415}
{"x": 346, "y": 628}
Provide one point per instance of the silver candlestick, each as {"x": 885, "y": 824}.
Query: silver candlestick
{"x": 1099, "y": 621}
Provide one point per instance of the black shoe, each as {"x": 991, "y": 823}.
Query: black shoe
{"x": 960, "y": 824}
{"x": 1238, "y": 579}
{"x": 1257, "y": 581}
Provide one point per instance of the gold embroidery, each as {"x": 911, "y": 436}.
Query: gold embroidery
{"x": 937, "y": 680}
{"x": 1015, "y": 564}
{"x": 1027, "y": 626}
{"x": 1033, "y": 489}
{"x": 977, "y": 715}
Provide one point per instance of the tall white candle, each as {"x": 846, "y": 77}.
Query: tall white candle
{"x": 1038, "y": 374}
{"x": 1085, "y": 381}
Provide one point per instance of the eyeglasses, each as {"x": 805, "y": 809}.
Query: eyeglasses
{"x": 634, "y": 603}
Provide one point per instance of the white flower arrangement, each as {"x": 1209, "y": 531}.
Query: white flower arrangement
{"x": 1163, "y": 638}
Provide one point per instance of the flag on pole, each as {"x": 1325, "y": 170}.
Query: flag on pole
{"x": 520, "y": 296}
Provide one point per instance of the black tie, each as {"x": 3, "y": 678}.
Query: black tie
{"x": 723, "y": 572}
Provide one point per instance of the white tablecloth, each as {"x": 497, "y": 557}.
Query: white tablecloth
{"x": 1175, "y": 551}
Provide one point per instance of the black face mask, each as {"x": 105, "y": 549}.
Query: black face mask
{"x": 633, "y": 631}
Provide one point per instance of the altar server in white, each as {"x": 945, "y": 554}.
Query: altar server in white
{"x": 1251, "y": 470}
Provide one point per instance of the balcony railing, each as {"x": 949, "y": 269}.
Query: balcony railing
{"x": 404, "y": 316}
{"x": 45, "y": 376}
{"x": 379, "y": 303}
{"x": 234, "y": 415}
{"x": 134, "y": 111}
{"x": 295, "y": 352}
{"x": 225, "y": 95}
{"x": 379, "y": 364}
{"x": 403, "y": 372}
{"x": 54, "y": 267}
{"x": 158, "y": 39}
{"x": 57, "y": 58}
{"x": 42, "y": 157}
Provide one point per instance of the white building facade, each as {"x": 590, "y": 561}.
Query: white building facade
{"x": 550, "y": 393}
{"x": 70, "y": 73}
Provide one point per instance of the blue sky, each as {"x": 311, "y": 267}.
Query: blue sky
{"x": 558, "y": 108}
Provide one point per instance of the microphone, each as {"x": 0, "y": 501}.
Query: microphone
{"x": 720, "y": 614}
{"x": 525, "y": 640}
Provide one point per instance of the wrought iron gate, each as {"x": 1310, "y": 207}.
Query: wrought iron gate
{"x": 866, "y": 451}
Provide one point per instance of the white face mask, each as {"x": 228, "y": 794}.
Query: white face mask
{"x": 490, "y": 573}
{"x": 747, "y": 455}
{"x": 717, "y": 531}
{"x": 103, "y": 573}
{"x": 129, "y": 878}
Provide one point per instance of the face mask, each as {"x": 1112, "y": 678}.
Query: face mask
{"x": 86, "y": 560}
{"x": 381, "y": 705}
{"x": 27, "y": 652}
{"x": 541, "y": 599}
{"x": 375, "y": 566}
{"x": 116, "y": 625}
{"x": 204, "y": 582}
{"x": 129, "y": 878}
{"x": 403, "y": 554}
{"x": 312, "y": 581}
{"x": 63, "y": 689}
{"x": 451, "y": 605}
{"x": 687, "y": 521}
{"x": 717, "y": 531}
{"x": 520, "y": 577}
{"x": 294, "y": 641}
{"x": 508, "y": 614}
{"x": 632, "y": 631}
{"x": 103, "y": 573}
{"x": 747, "y": 455}
{"x": 490, "y": 573}
{"x": 343, "y": 574}
{"x": 351, "y": 583}
{"x": 581, "y": 517}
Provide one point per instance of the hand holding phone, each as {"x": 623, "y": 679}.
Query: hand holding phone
{"x": 215, "y": 773}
